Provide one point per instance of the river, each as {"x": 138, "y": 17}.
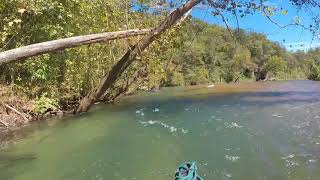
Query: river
{"x": 245, "y": 131}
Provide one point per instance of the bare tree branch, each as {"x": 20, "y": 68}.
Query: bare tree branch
{"x": 4, "y": 123}
{"x": 263, "y": 7}
{"x": 17, "y": 112}
{"x": 236, "y": 16}
{"x": 110, "y": 78}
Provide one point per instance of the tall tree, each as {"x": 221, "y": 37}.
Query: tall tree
{"x": 111, "y": 77}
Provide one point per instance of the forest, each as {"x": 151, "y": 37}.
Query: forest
{"x": 193, "y": 52}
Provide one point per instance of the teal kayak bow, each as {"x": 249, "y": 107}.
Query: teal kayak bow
{"x": 187, "y": 171}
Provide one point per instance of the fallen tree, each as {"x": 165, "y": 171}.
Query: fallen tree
{"x": 50, "y": 46}
{"x": 110, "y": 78}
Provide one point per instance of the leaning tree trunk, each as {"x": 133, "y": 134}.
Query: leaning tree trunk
{"x": 50, "y": 46}
{"x": 110, "y": 78}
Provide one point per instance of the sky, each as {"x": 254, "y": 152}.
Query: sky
{"x": 292, "y": 38}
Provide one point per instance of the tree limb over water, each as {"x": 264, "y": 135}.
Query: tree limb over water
{"x": 110, "y": 78}
{"x": 60, "y": 44}
{"x": 112, "y": 70}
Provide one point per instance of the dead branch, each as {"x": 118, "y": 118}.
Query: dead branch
{"x": 17, "y": 112}
{"x": 4, "y": 123}
{"x": 263, "y": 8}
{"x": 60, "y": 44}
{"x": 110, "y": 78}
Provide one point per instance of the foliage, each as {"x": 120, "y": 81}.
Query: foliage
{"x": 193, "y": 52}
{"x": 44, "y": 104}
{"x": 314, "y": 73}
{"x": 215, "y": 52}
{"x": 228, "y": 76}
{"x": 275, "y": 65}
{"x": 176, "y": 79}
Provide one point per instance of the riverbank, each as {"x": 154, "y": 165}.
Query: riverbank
{"x": 18, "y": 128}
{"x": 16, "y": 121}
{"x": 16, "y": 109}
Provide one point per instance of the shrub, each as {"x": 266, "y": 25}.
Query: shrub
{"x": 176, "y": 79}
{"x": 45, "y": 104}
{"x": 228, "y": 76}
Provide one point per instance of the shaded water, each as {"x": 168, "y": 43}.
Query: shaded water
{"x": 250, "y": 131}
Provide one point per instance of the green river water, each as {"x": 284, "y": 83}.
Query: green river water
{"x": 247, "y": 131}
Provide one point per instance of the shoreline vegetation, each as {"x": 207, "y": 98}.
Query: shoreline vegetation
{"x": 16, "y": 110}
{"x": 189, "y": 52}
{"x": 14, "y": 125}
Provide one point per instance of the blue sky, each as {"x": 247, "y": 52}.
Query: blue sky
{"x": 293, "y": 37}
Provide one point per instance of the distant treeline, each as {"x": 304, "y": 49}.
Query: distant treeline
{"x": 218, "y": 55}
